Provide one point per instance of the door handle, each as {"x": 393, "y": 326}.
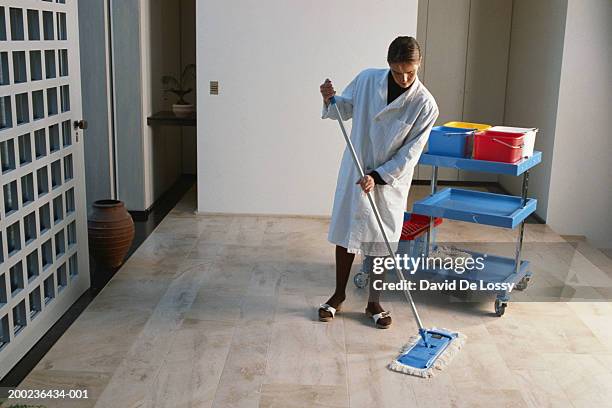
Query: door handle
{"x": 81, "y": 124}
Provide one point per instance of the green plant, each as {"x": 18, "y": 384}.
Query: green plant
{"x": 182, "y": 86}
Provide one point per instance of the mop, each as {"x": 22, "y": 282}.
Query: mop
{"x": 432, "y": 349}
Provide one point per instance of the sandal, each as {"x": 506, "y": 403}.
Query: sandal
{"x": 378, "y": 317}
{"x": 329, "y": 309}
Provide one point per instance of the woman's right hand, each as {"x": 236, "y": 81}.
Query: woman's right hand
{"x": 327, "y": 91}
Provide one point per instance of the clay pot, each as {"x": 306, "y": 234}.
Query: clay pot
{"x": 111, "y": 232}
{"x": 183, "y": 111}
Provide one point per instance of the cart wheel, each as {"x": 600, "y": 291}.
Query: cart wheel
{"x": 500, "y": 307}
{"x": 522, "y": 284}
{"x": 361, "y": 280}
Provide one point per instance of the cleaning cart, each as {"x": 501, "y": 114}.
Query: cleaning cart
{"x": 497, "y": 210}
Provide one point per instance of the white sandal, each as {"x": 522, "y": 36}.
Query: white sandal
{"x": 376, "y": 317}
{"x": 329, "y": 309}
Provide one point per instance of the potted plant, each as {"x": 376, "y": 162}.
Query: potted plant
{"x": 181, "y": 87}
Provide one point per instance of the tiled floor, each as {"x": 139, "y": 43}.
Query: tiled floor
{"x": 220, "y": 311}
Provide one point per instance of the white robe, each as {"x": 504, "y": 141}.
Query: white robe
{"x": 388, "y": 139}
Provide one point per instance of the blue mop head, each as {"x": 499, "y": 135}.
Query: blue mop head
{"x": 422, "y": 358}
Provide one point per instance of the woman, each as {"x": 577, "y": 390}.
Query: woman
{"x": 392, "y": 114}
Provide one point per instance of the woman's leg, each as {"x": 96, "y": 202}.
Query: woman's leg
{"x": 374, "y": 306}
{"x": 344, "y": 262}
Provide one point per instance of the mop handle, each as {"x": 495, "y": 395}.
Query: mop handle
{"x": 376, "y": 213}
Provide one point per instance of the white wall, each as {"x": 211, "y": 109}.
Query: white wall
{"x": 532, "y": 93}
{"x": 262, "y": 147}
{"x": 580, "y": 197}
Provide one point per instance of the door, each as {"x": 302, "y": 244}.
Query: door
{"x": 44, "y": 264}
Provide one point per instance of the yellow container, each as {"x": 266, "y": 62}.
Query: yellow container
{"x": 467, "y": 125}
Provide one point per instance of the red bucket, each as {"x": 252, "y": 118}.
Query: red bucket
{"x": 504, "y": 147}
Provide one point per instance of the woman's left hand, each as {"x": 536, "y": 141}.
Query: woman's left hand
{"x": 367, "y": 183}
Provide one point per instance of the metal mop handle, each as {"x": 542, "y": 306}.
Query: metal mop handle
{"x": 378, "y": 219}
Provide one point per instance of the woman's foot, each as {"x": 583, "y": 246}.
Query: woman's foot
{"x": 328, "y": 310}
{"x": 382, "y": 319}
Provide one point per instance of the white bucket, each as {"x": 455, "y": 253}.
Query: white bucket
{"x": 528, "y": 141}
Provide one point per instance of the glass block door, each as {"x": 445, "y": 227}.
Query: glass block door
{"x": 43, "y": 232}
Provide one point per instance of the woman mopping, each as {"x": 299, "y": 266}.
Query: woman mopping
{"x": 392, "y": 114}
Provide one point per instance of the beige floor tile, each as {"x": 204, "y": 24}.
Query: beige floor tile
{"x": 97, "y": 342}
{"x": 232, "y": 306}
{"x": 303, "y": 396}
{"x": 191, "y": 370}
{"x": 539, "y": 388}
{"x": 308, "y": 353}
{"x": 91, "y": 382}
{"x": 245, "y": 367}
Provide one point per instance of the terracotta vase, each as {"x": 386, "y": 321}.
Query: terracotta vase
{"x": 111, "y": 232}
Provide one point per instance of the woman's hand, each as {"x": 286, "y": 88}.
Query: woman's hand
{"x": 327, "y": 91}
{"x": 367, "y": 183}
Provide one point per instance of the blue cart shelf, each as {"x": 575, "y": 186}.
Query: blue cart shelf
{"x": 483, "y": 208}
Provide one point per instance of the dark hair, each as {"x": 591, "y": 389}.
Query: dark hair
{"x": 404, "y": 50}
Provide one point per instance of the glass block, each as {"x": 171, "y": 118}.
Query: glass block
{"x": 61, "y": 1}
{"x": 11, "y": 202}
{"x": 2, "y": 24}
{"x": 62, "y": 277}
{"x": 42, "y": 180}
{"x": 40, "y": 143}
{"x": 68, "y": 171}
{"x": 33, "y": 25}
{"x": 44, "y": 218}
{"x": 32, "y": 267}
{"x": 16, "y": 16}
{"x": 25, "y": 149}
{"x": 19, "y": 67}
{"x": 71, "y": 233}
{"x": 35, "y": 303}
{"x": 13, "y": 238}
{"x": 6, "y": 113}
{"x": 5, "y": 336}
{"x": 70, "y": 201}
{"x": 29, "y": 227}
{"x": 67, "y": 133}
{"x": 56, "y": 174}
{"x": 58, "y": 209}
{"x": 63, "y": 62}
{"x": 50, "y": 67}
{"x": 61, "y": 27}
{"x": 16, "y": 278}
{"x": 74, "y": 266}
{"x": 23, "y": 108}
{"x": 48, "y": 25}
{"x": 5, "y": 75}
{"x": 65, "y": 98}
{"x": 38, "y": 105}
{"x": 27, "y": 189}
{"x": 7, "y": 155}
{"x": 60, "y": 243}
{"x": 1, "y": 249}
{"x": 49, "y": 289}
{"x": 20, "y": 320}
{"x": 52, "y": 101}
{"x": 54, "y": 138}
{"x": 47, "y": 254}
{"x": 36, "y": 66}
